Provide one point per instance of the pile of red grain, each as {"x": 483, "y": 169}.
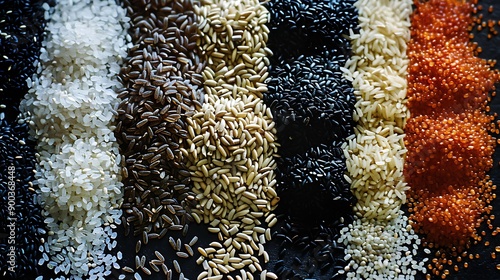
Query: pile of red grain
{"x": 448, "y": 141}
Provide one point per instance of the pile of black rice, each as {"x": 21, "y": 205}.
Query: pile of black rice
{"x": 21, "y": 226}
{"x": 22, "y": 230}
{"x": 22, "y": 25}
{"x": 312, "y": 105}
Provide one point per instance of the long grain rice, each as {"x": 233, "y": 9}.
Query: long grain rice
{"x": 376, "y": 152}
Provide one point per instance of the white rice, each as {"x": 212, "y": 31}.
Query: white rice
{"x": 72, "y": 101}
{"x": 381, "y": 249}
{"x": 375, "y": 154}
{"x": 378, "y": 72}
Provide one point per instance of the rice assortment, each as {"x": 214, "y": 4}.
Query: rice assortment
{"x": 375, "y": 154}
{"x": 248, "y": 139}
{"x": 312, "y": 104}
{"x": 72, "y": 103}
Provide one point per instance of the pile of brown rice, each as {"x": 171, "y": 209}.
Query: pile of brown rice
{"x": 232, "y": 140}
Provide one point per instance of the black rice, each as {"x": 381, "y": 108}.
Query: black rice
{"x": 19, "y": 208}
{"x": 311, "y": 102}
{"x": 307, "y": 252}
{"x": 22, "y": 25}
{"x": 316, "y": 203}
{"x": 312, "y": 186}
{"x": 305, "y": 27}
{"x": 312, "y": 105}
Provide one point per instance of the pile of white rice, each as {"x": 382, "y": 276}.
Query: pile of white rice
{"x": 381, "y": 249}
{"x": 375, "y": 154}
{"x": 377, "y": 70}
{"x": 72, "y": 101}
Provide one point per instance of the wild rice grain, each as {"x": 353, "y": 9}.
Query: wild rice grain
{"x": 127, "y": 269}
{"x": 193, "y": 241}
{"x": 161, "y": 89}
{"x": 159, "y": 256}
{"x": 177, "y": 267}
{"x": 138, "y": 246}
